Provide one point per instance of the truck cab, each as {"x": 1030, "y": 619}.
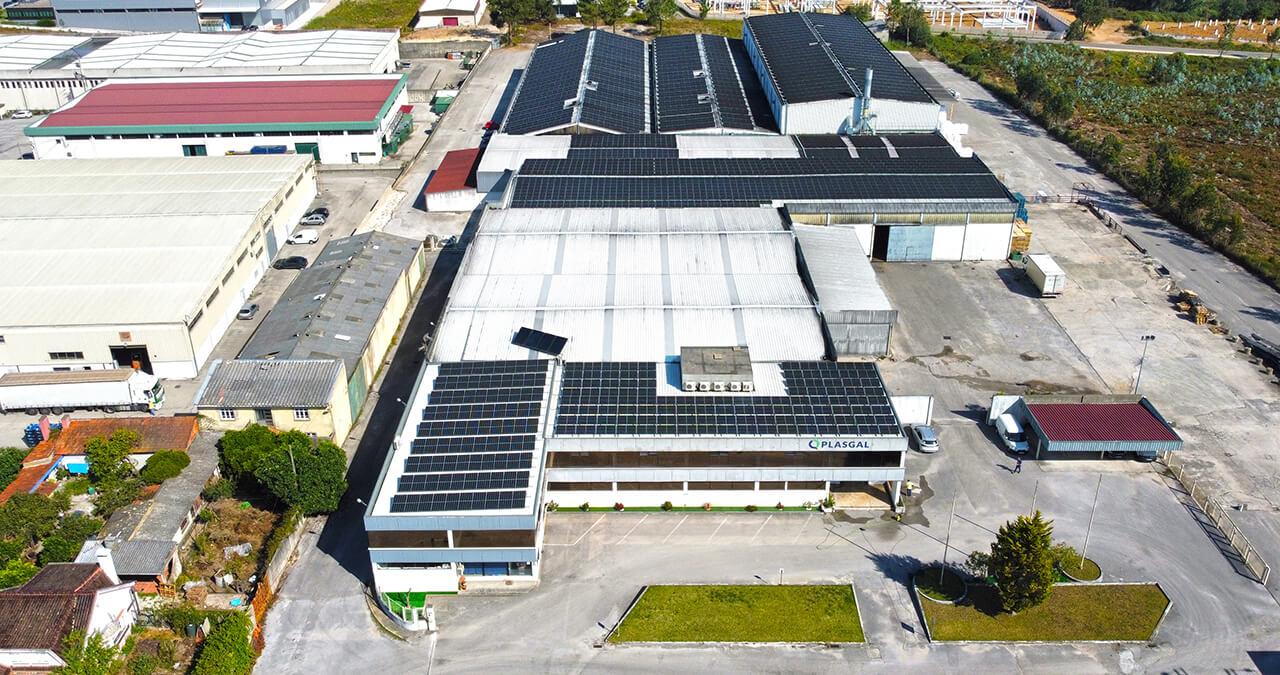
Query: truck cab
{"x": 1011, "y": 433}
{"x": 145, "y": 391}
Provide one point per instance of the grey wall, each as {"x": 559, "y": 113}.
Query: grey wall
{"x": 139, "y": 15}
{"x": 417, "y": 49}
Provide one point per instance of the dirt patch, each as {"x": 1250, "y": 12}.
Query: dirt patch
{"x": 234, "y": 523}
{"x": 1110, "y": 32}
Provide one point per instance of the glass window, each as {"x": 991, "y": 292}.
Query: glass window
{"x": 226, "y": 413}
{"x": 301, "y": 414}
{"x": 66, "y": 356}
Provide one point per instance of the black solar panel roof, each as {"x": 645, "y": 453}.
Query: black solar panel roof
{"x": 815, "y": 57}
{"x": 939, "y": 162}
{"x": 614, "y": 97}
{"x": 550, "y": 79}
{"x": 761, "y": 113}
{"x": 539, "y": 341}
{"x": 681, "y": 96}
{"x": 823, "y": 398}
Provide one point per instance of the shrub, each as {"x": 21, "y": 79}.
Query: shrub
{"x": 10, "y": 465}
{"x": 16, "y": 573}
{"x": 178, "y": 617}
{"x": 116, "y": 494}
{"x": 109, "y": 457}
{"x": 164, "y": 465}
{"x": 617, "y": 506}
{"x": 585, "y": 506}
{"x": 10, "y": 549}
{"x": 706, "y": 506}
{"x": 286, "y": 526}
{"x": 779, "y": 506}
{"x": 239, "y": 451}
{"x": 31, "y": 517}
{"x": 57, "y": 549}
{"x": 301, "y": 473}
{"x": 144, "y": 664}
{"x": 666, "y": 506}
{"x": 77, "y": 486}
{"x": 78, "y": 527}
{"x": 205, "y": 516}
{"x": 223, "y": 488}
{"x": 226, "y": 649}
{"x": 750, "y": 508}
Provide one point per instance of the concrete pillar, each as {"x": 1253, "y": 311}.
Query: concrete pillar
{"x": 895, "y": 490}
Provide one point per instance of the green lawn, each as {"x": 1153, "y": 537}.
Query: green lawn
{"x": 1089, "y": 571}
{"x": 1073, "y": 612}
{"x": 367, "y": 14}
{"x": 742, "y": 614}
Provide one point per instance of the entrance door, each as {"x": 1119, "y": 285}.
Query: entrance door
{"x": 451, "y": 21}
{"x": 880, "y": 242}
{"x": 272, "y": 244}
{"x": 132, "y": 356}
{"x": 304, "y": 148}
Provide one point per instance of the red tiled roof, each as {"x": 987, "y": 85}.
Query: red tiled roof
{"x": 456, "y": 172}
{"x": 56, "y": 601}
{"x": 1100, "y": 422}
{"x": 197, "y": 103}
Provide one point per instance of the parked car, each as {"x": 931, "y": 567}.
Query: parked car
{"x": 492, "y": 125}
{"x": 313, "y": 219}
{"x": 295, "y": 262}
{"x": 318, "y": 211}
{"x": 247, "y": 312}
{"x": 22, "y": 114}
{"x": 926, "y": 440}
{"x": 448, "y": 241}
{"x": 304, "y": 237}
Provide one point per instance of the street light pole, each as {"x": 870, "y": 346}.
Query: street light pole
{"x": 1146, "y": 342}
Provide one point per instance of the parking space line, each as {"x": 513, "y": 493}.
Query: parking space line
{"x": 633, "y": 529}
{"x": 760, "y": 529}
{"x": 801, "y": 530}
{"x": 673, "y": 530}
{"x": 722, "y": 522}
{"x": 575, "y": 541}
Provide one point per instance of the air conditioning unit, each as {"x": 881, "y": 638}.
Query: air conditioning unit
{"x": 717, "y": 386}
{"x": 704, "y": 386}
{"x": 748, "y": 386}
{"x": 690, "y": 386}
{"x": 735, "y": 386}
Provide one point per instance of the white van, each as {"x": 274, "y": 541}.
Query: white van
{"x": 1011, "y": 433}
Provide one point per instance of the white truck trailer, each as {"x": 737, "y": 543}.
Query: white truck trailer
{"x": 56, "y": 392}
{"x": 1046, "y": 274}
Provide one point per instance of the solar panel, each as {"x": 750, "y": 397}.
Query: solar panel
{"x": 551, "y": 78}
{"x": 757, "y": 102}
{"x": 596, "y": 141}
{"x": 471, "y": 480}
{"x": 615, "y": 91}
{"x": 457, "y": 501}
{"x": 823, "y": 399}
{"x": 539, "y": 341}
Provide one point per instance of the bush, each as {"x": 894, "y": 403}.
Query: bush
{"x": 302, "y": 473}
{"x": 286, "y": 526}
{"x": 239, "y": 451}
{"x": 109, "y": 457}
{"x": 666, "y": 506}
{"x": 57, "y": 549}
{"x": 78, "y": 527}
{"x": 779, "y": 506}
{"x": 10, "y": 465}
{"x": 144, "y": 664}
{"x": 164, "y": 465}
{"x": 77, "y": 486}
{"x": 750, "y": 508}
{"x": 617, "y": 506}
{"x": 116, "y": 494}
{"x": 585, "y": 506}
{"x": 223, "y": 488}
{"x": 178, "y": 617}
{"x": 205, "y": 516}
{"x": 30, "y": 517}
{"x": 16, "y": 573}
{"x": 226, "y": 649}
{"x": 10, "y": 549}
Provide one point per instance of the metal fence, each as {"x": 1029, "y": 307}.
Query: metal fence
{"x": 1218, "y": 514}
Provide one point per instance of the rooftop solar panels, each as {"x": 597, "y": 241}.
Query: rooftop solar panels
{"x": 730, "y": 101}
{"x": 681, "y": 95}
{"x": 623, "y": 146}
{"x": 475, "y": 446}
{"x": 815, "y": 57}
{"x": 823, "y": 398}
{"x": 539, "y": 341}
{"x": 550, "y": 79}
{"x": 613, "y": 97}
{"x": 757, "y": 102}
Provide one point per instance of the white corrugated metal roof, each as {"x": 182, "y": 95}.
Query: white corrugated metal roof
{"x": 230, "y": 50}
{"x": 693, "y": 146}
{"x": 89, "y": 241}
{"x": 628, "y": 285}
{"x": 841, "y": 273}
{"x": 24, "y": 52}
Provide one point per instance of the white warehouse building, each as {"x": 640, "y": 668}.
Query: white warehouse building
{"x": 339, "y": 119}
{"x": 108, "y": 262}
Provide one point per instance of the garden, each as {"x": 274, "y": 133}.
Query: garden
{"x": 742, "y": 614}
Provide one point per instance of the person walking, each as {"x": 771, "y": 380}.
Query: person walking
{"x": 1017, "y": 468}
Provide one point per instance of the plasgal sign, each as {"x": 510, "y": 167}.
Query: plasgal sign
{"x": 820, "y": 444}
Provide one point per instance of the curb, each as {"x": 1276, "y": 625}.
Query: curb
{"x": 1064, "y": 573}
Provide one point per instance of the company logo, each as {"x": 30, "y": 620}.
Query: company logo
{"x": 819, "y": 444}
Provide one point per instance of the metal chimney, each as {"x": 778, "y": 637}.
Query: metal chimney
{"x": 866, "y": 103}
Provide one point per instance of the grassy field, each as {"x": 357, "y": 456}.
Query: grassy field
{"x": 947, "y": 586}
{"x": 742, "y": 614}
{"x": 367, "y": 14}
{"x": 1089, "y": 571}
{"x": 1217, "y": 116}
{"x": 1073, "y": 612}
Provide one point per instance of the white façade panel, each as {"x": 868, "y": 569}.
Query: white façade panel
{"x": 987, "y": 241}
{"x": 948, "y": 242}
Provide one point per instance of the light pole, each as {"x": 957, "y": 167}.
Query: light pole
{"x": 1146, "y": 342}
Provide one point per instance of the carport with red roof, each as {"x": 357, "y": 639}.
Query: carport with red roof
{"x": 1097, "y": 427}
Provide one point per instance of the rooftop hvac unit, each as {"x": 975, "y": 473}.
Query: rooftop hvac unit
{"x": 704, "y": 386}
{"x": 748, "y": 386}
{"x": 717, "y": 386}
{"x": 690, "y": 386}
{"x": 735, "y": 386}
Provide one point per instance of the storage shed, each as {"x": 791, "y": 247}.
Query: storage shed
{"x": 1096, "y": 427}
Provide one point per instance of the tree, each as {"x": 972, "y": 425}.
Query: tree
{"x": 163, "y": 465}
{"x": 1059, "y": 104}
{"x": 114, "y": 495}
{"x": 1109, "y": 150}
{"x": 515, "y": 13}
{"x": 861, "y": 12}
{"x": 1031, "y": 84}
{"x": 227, "y": 650}
{"x": 310, "y": 476}
{"x": 1076, "y": 32}
{"x": 238, "y": 451}
{"x": 1090, "y": 13}
{"x": 78, "y": 527}
{"x": 1227, "y": 38}
{"x": 612, "y": 11}
{"x": 704, "y": 8}
{"x": 1272, "y": 38}
{"x": 661, "y": 11}
{"x": 30, "y": 517}
{"x": 10, "y": 465}
{"x": 1168, "y": 175}
{"x": 589, "y": 12}
{"x": 109, "y": 457}
{"x": 56, "y": 549}
{"x": 16, "y": 573}
{"x": 1200, "y": 199}
{"x": 1235, "y": 229}
{"x": 87, "y": 657}
{"x": 908, "y": 23}
{"x": 1021, "y": 562}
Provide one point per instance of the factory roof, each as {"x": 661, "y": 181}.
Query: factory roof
{"x": 839, "y": 270}
{"x": 126, "y": 241}
{"x": 630, "y": 285}
{"x": 29, "y": 51}
{"x": 259, "y": 49}
{"x": 269, "y": 383}
{"x": 816, "y": 57}
{"x": 331, "y": 308}
{"x": 705, "y": 82}
{"x": 226, "y": 104}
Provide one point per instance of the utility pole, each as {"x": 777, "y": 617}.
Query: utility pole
{"x": 1089, "y": 529}
{"x": 946, "y": 546}
{"x": 1034, "y": 494}
{"x": 1146, "y": 342}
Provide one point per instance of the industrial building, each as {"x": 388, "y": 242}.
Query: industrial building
{"x": 346, "y": 307}
{"x": 104, "y": 263}
{"x": 180, "y": 15}
{"x": 43, "y": 72}
{"x": 1072, "y": 427}
{"x": 449, "y": 13}
{"x": 338, "y": 119}
{"x": 307, "y": 395}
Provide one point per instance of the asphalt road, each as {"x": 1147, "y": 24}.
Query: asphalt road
{"x": 1028, "y": 159}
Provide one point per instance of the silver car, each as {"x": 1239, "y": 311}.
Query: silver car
{"x": 926, "y": 440}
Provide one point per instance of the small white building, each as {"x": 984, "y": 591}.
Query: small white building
{"x": 449, "y": 13}
{"x": 339, "y": 119}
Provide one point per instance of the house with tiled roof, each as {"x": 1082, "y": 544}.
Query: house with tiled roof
{"x": 62, "y": 598}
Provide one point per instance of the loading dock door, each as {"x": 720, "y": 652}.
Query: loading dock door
{"x": 912, "y": 242}
{"x": 880, "y": 242}
{"x": 272, "y": 246}
{"x": 451, "y": 21}
{"x": 132, "y": 356}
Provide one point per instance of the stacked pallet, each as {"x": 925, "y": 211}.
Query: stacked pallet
{"x": 1021, "y": 237}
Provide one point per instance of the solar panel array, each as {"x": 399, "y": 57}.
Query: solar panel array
{"x": 551, "y": 78}
{"x": 539, "y": 341}
{"x": 614, "y": 98}
{"x": 942, "y": 162}
{"x": 730, "y": 100}
{"x": 474, "y": 448}
{"x": 757, "y": 102}
{"x": 623, "y": 146}
{"x": 681, "y": 100}
{"x": 824, "y": 398}
{"x": 815, "y": 57}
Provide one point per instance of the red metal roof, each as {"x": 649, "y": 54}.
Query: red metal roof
{"x": 456, "y": 172}
{"x": 197, "y": 103}
{"x": 1100, "y": 422}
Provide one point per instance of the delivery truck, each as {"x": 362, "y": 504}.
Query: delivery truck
{"x": 1045, "y": 273}
{"x": 113, "y": 390}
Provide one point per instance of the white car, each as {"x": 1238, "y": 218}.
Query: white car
{"x": 22, "y": 114}
{"x": 304, "y": 237}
